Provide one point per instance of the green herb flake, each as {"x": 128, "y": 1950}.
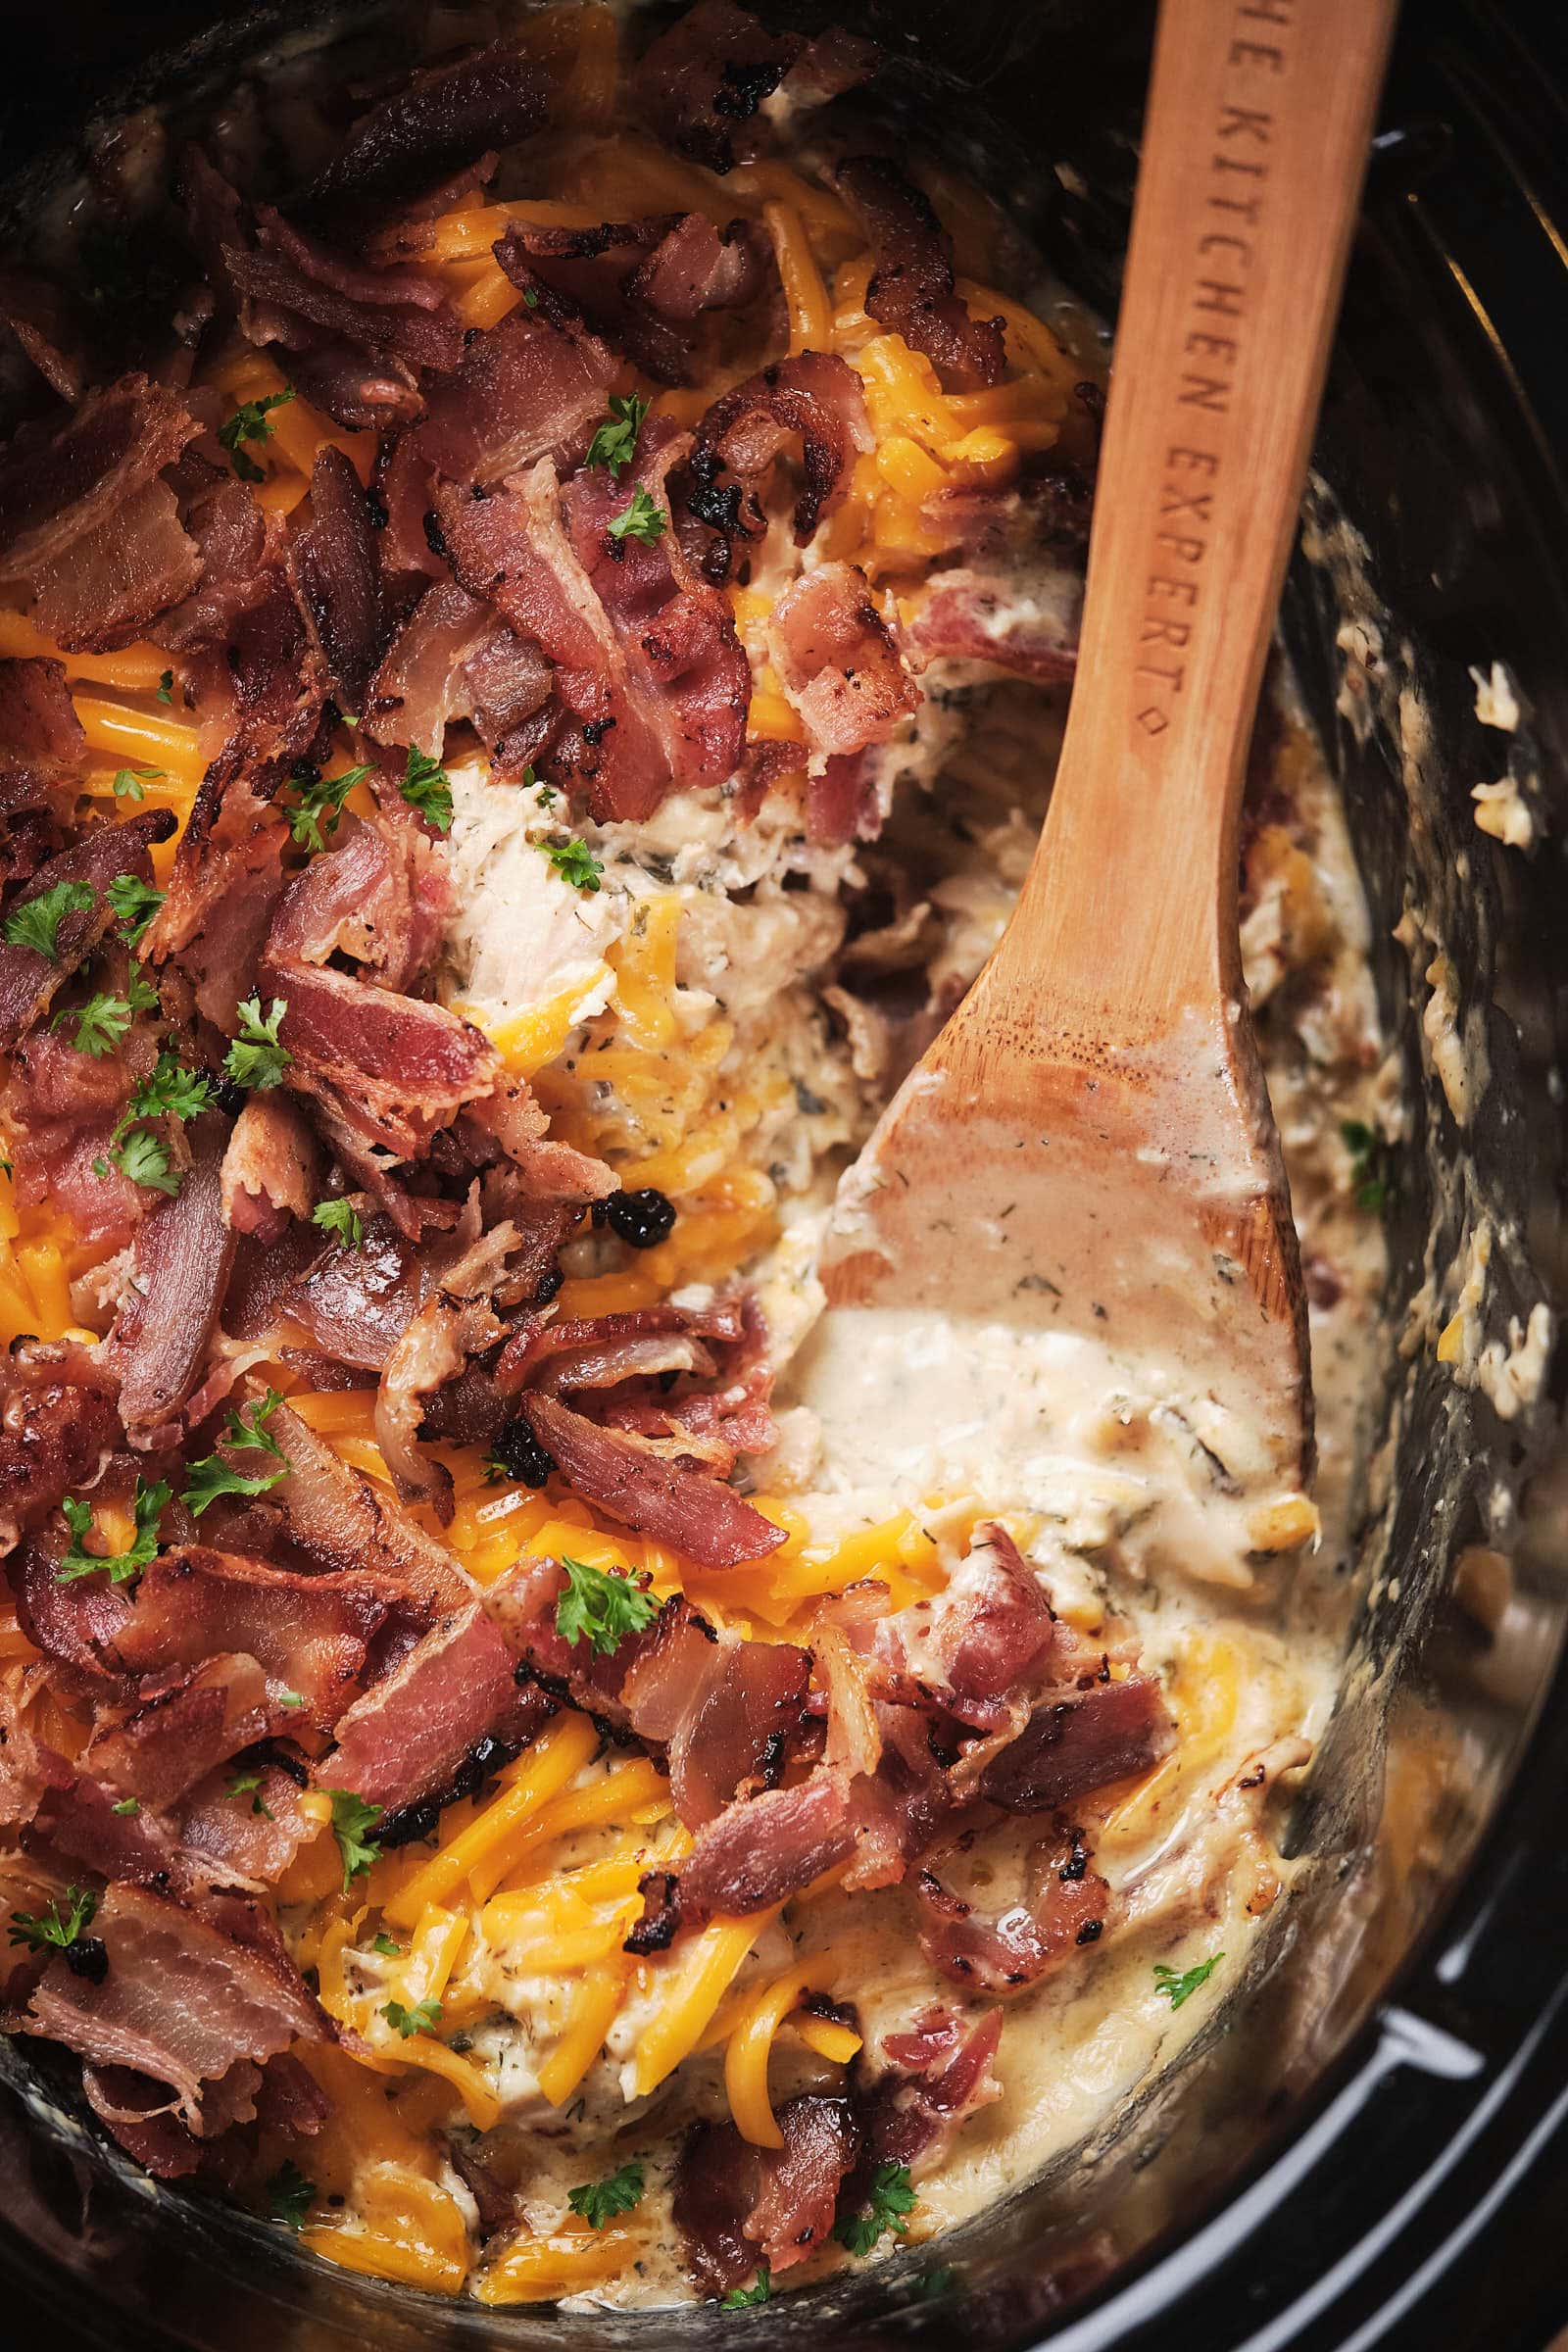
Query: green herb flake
{"x": 291, "y": 1698}
{"x": 425, "y": 785}
{"x": 575, "y": 863}
{"x": 342, "y": 1219}
{"x": 643, "y": 519}
{"x": 144, "y": 1160}
{"x": 257, "y": 1058}
{"x": 134, "y": 904}
{"x": 166, "y": 687}
{"x": 600, "y": 1608}
{"x": 128, "y": 1807}
{"x": 1179, "y": 1989}
{"x": 318, "y": 809}
{"x": 422, "y": 2018}
{"x": 168, "y": 1090}
{"x": 251, "y": 422}
{"x": 246, "y": 1432}
{"x": 1371, "y": 1164}
{"x": 741, "y": 2298}
{"x": 290, "y": 2196}
{"x": 599, "y": 2201}
{"x": 37, "y": 922}
{"x": 384, "y": 1944}
{"x": 58, "y": 1927}
{"x": 614, "y": 443}
{"x": 147, "y": 1508}
{"x": 888, "y": 2206}
{"x": 249, "y": 1784}
{"x": 351, "y": 1818}
{"x": 101, "y": 1022}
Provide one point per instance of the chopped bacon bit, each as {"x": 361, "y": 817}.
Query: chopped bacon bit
{"x": 837, "y": 661}
{"x": 270, "y": 1168}
{"x": 643, "y": 284}
{"x": 701, "y": 83}
{"x": 762, "y": 1850}
{"x": 436, "y": 125}
{"x": 942, "y": 2076}
{"x": 1064, "y": 1911}
{"x": 337, "y": 1516}
{"x": 30, "y": 979}
{"x": 406, "y": 1736}
{"x": 1014, "y": 598}
{"x": 737, "y": 2206}
{"x": 814, "y": 396}
{"x": 162, "y": 1335}
{"x": 684, "y": 1507}
{"x": 394, "y": 1066}
{"x": 1087, "y": 1741}
{"x": 380, "y": 897}
{"x": 911, "y": 291}
{"x": 58, "y": 1427}
{"x": 335, "y": 568}
{"x": 459, "y": 1320}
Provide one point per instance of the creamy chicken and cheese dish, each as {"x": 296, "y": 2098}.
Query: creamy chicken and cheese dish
{"x": 538, "y": 592}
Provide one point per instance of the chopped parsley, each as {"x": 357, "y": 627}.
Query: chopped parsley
{"x": 384, "y": 1944}
{"x": 599, "y": 2201}
{"x": 60, "y": 1926}
{"x": 249, "y": 1784}
{"x": 1179, "y": 1989}
{"x": 291, "y": 1698}
{"x": 425, "y": 785}
{"x": 130, "y": 782}
{"x": 643, "y": 519}
{"x": 422, "y": 2018}
{"x": 1371, "y": 1164}
{"x": 351, "y": 1818}
{"x": 246, "y": 1433}
{"x": 134, "y": 902}
{"x": 574, "y": 862}
{"x": 103, "y": 1020}
{"x": 129, "y": 1807}
{"x": 739, "y": 2299}
{"x": 614, "y": 443}
{"x": 290, "y": 2195}
{"x": 169, "y": 1090}
{"x": 248, "y": 423}
{"x": 530, "y": 300}
{"x": 318, "y": 811}
{"x": 147, "y": 1508}
{"x": 144, "y": 1160}
{"x": 342, "y": 1218}
{"x": 36, "y": 924}
{"x": 257, "y": 1058}
{"x": 888, "y": 2206}
{"x": 166, "y": 687}
{"x": 600, "y": 1608}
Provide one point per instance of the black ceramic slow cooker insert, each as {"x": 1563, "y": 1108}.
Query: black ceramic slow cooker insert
{"x": 1376, "y": 2153}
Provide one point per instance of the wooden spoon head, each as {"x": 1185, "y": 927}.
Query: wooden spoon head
{"x": 1131, "y": 1196}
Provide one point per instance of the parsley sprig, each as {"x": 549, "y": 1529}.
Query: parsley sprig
{"x": 58, "y": 1927}
{"x": 574, "y": 862}
{"x": 739, "y": 2299}
{"x": 246, "y": 1432}
{"x": 290, "y": 2195}
{"x": 249, "y": 1784}
{"x": 166, "y": 687}
{"x": 614, "y": 444}
{"x": 422, "y": 2018}
{"x": 101, "y": 1022}
{"x": 600, "y": 1608}
{"x": 425, "y": 785}
{"x": 890, "y": 2201}
{"x": 169, "y": 1090}
{"x": 1371, "y": 1164}
{"x": 147, "y": 1508}
{"x": 318, "y": 810}
{"x": 645, "y": 520}
{"x": 134, "y": 904}
{"x": 351, "y": 1818}
{"x": 36, "y": 923}
{"x": 341, "y": 1219}
{"x": 250, "y": 422}
{"x": 601, "y": 2201}
{"x": 1181, "y": 1988}
{"x": 257, "y": 1058}
{"x": 130, "y": 782}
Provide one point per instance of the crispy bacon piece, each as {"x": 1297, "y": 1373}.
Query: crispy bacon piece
{"x": 643, "y": 284}
{"x": 181, "y": 2001}
{"x": 993, "y": 1630}
{"x": 30, "y": 979}
{"x": 762, "y": 1850}
{"x": 697, "y": 1514}
{"x": 185, "y": 1250}
{"x": 837, "y": 661}
{"x": 406, "y": 1736}
{"x": 1013, "y": 599}
{"x": 941, "y": 2073}
{"x": 270, "y": 1170}
{"x": 701, "y": 83}
{"x": 737, "y": 2206}
{"x": 76, "y": 1819}
{"x": 396, "y": 1067}
{"x": 723, "y": 1709}
{"x": 246, "y": 1838}
{"x": 290, "y": 289}
{"x": 814, "y": 397}
{"x": 911, "y": 291}
{"x": 1064, "y": 1910}
{"x": 241, "y": 549}
{"x": 356, "y": 1304}
{"x": 436, "y": 125}
{"x": 336, "y": 571}
{"x": 86, "y": 520}
{"x": 1076, "y": 1744}
{"x": 379, "y": 896}
{"x": 42, "y": 747}
{"x": 421, "y": 684}
{"x": 532, "y": 384}
{"x": 58, "y": 1426}
{"x": 457, "y": 1321}
{"x": 337, "y": 1516}
{"x": 49, "y": 332}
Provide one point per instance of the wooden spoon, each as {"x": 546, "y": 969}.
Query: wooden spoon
{"x": 1087, "y": 1148}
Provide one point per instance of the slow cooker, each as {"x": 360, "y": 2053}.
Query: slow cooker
{"x": 1373, "y": 2148}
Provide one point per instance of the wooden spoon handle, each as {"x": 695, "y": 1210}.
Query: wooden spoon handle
{"x": 1257, "y": 131}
